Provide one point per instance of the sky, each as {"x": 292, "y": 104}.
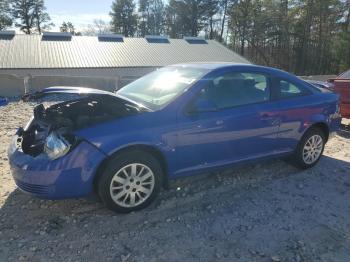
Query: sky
{"x": 80, "y": 12}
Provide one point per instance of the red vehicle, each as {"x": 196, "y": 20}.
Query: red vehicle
{"x": 342, "y": 87}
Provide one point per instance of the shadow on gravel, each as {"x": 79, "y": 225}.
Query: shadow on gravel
{"x": 196, "y": 190}
{"x": 251, "y": 213}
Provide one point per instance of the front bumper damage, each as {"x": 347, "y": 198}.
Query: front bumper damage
{"x": 49, "y": 169}
{"x": 70, "y": 176}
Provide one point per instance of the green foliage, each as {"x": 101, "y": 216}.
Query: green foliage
{"x": 151, "y": 20}
{"x": 124, "y": 20}
{"x": 67, "y": 27}
{"x": 42, "y": 18}
{"x": 23, "y": 12}
{"x": 30, "y": 15}
{"x": 298, "y": 35}
{"x": 342, "y": 51}
{"x": 5, "y": 18}
{"x": 186, "y": 17}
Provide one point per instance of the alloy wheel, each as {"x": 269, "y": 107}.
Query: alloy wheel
{"x": 132, "y": 185}
{"x": 312, "y": 149}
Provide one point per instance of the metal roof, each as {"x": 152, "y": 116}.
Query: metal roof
{"x": 33, "y": 51}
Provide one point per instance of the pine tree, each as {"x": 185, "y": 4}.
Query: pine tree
{"x": 124, "y": 20}
{"x": 211, "y": 8}
{"x": 30, "y": 15}
{"x": 152, "y": 17}
{"x": 42, "y": 18}
{"x": 67, "y": 27}
{"x": 5, "y": 17}
{"x": 186, "y": 17}
{"x": 23, "y": 12}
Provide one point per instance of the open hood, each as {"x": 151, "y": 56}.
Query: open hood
{"x": 65, "y": 90}
{"x": 74, "y": 90}
{"x": 84, "y": 91}
{"x": 64, "y": 118}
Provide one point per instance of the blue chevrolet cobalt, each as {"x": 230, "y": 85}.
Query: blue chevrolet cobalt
{"x": 177, "y": 121}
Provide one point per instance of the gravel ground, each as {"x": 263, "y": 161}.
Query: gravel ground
{"x": 262, "y": 212}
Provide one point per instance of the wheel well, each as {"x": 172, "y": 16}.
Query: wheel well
{"x": 324, "y": 128}
{"x": 144, "y": 148}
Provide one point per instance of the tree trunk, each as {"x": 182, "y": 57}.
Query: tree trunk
{"x": 223, "y": 21}
{"x": 211, "y": 28}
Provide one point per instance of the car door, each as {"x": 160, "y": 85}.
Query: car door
{"x": 295, "y": 109}
{"x": 243, "y": 125}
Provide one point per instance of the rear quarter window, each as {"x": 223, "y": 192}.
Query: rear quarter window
{"x": 286, "y": 89}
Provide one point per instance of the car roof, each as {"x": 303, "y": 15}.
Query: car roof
{"x": 207, "y": 65}
{"x": 221, "y": 65}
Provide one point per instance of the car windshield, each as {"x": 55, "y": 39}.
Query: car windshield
{"x": 160, "y": 87}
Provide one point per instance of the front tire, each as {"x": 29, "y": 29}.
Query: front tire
{"x": 309, "y": 149}
{"x": 130, "y": 181}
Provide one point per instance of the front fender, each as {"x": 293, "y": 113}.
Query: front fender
{"x": 149, "y": 129}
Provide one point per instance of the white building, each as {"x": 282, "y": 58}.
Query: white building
{"x": 105, "y": 62}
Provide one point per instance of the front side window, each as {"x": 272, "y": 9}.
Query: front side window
{"x": 159, "y": 88}
{"x": 236, "y": 89}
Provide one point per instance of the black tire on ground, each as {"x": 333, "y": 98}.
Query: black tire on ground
{"x": 117, "y": 163}
{"x": 297, "y": 159}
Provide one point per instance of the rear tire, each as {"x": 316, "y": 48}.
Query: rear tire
{"x": 309, "y": 149}
{"x": 130, "y": 181}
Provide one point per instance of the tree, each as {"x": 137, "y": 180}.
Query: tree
{"x": 185, "y": 17}
{"x": 101, "y": 26}
{"x": 5, "y": 17}
{"x": 42, "y": 18}
{"x": 30, "y": 15}
{"x": 152, "y": 17}
{"x": 124, "y": 20}
{"x": 342, "y": 42}
{"x": 98, "y": 27}
{"x": 223, "y": 4}
{"x": 211, "y": 13}
{"x": 23, "y": 12}
{"x": 67, "y": 27}
{"x": 301, "y": 36}
{"x": 241, "y": 20}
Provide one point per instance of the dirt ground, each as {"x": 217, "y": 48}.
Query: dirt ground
{"x": 262, "y": 212}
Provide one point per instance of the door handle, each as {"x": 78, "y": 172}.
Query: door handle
{"x": 268, "y": 115}
{"x": 271, "y": 118}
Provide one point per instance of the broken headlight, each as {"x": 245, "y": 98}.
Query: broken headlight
{"x": 56, "y": 146}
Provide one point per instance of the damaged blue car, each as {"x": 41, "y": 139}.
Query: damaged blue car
{"x": 176, "y": 121}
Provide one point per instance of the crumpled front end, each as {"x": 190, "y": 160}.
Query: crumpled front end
{"x": 47, "y": 157}
{"x": 69, "y": 176}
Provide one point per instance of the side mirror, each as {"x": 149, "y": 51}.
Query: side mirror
{"x": 203, "y": 105}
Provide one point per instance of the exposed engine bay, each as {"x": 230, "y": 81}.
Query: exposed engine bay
{"x": 54, "y": 125}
